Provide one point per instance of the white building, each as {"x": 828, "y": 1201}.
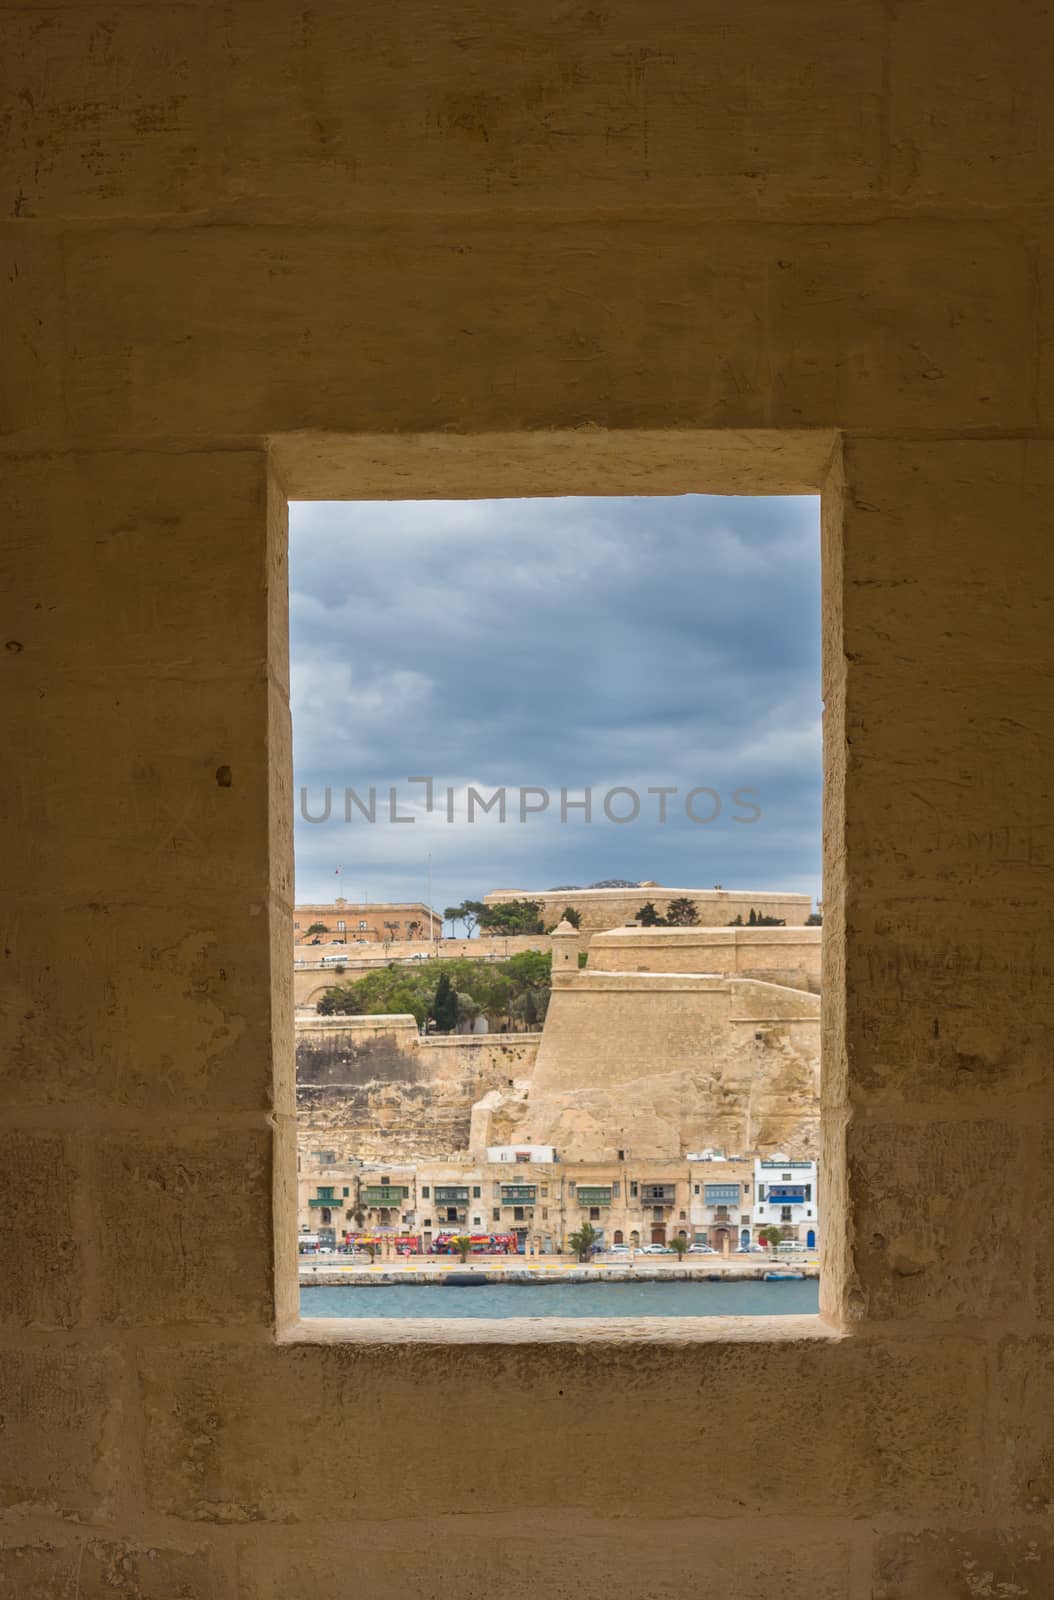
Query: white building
{"x": 785, "y": 1196}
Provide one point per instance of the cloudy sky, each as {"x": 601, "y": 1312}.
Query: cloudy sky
{"x": 568, "y": 644}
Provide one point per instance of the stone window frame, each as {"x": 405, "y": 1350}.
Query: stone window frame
{"x": 586, "y": 461}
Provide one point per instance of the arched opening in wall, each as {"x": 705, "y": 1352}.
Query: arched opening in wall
{"x": 498, "y": 709}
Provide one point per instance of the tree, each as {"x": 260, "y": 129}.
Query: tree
{"x": 648, "y": 917}
{"x": 317, "y": 927}
{"x": 814, "y": 919}
{"x": 572, "y": 916}
{"x": 737, "y": 921}
{"x": 467, "y": 913}
{"x": 444, "y": 1005}
{"x": 530, "y": 1009}
{"x": 463, "y": 1245}
{"x": 512, "y": 917}
{"x": 413, "y": 928}
{"x": 584, "y": 1240}
{"x": 752, "y": 920}
{"x": 682, "y": 913}
{"x": 680, "y": 1244}
{"x": 771, "y": 1236}
{"x": 583, "y": 957}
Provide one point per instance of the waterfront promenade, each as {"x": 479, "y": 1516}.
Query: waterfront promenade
{"x": 333, "y": 1269}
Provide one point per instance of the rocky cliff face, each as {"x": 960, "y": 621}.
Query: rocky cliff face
{"x": 372, "y": 1087}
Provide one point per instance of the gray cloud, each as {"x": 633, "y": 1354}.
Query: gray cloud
{"x": 558, "y": 642}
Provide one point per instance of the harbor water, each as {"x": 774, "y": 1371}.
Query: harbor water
{"x": 791, "y": 1297}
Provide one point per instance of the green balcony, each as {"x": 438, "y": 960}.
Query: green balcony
{"x": 385, "y": 1194}
{"x": 594, "y": 1195}
{"x": 320, "y": 1201}
{"x": 518, "y": 1194}
{"x": 446, "y": 1195}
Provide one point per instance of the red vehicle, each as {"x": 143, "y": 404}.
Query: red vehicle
{"x": 482, "y": 1244}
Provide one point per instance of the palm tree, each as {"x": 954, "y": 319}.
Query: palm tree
{"x": 463, "y": 1244}
{"x": 680, "y": 1244}
{"x": 584, "y": 1240}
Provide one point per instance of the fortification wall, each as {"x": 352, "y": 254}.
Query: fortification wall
{"x": 658, "y": 1063}
{"x": 790, "y": 956}
{"x": 601, "y": 909}
{"x": 373, "y": 1087}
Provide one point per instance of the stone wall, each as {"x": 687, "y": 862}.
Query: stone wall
{"x": 601, "y": 909}
{"x": 788, "y": 956}
{"x": 372, "y": 1087}
{"x": 262, "y": 250}
{"x": 661, "y": 1064}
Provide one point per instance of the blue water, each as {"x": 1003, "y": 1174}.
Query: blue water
{"x": 681, "y": 1299}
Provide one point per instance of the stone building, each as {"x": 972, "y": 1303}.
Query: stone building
{"x": 341, "y": 922}
{"x": 261, "y": 252}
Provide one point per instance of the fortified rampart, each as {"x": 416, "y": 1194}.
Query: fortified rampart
{"x": 601, "y": 909}
{"x": 373, "y": 1088}
{"x": 788, "y": 956}
{"x": 660, "y": 1063}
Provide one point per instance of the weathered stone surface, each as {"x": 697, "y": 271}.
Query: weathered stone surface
{"x": 987, "y": 1564}
{"x": 938, "y": 1211}
{"x": 185, "y": 1228}
{"x": 678, "y": 327}
{"x": 569, "y": 1563}
{"x": 854, "y": 1410}
{"x": 372, "y": 1087}
{"x": 1024, "y": 1460}
{"x": 971, "y": 118}
{"x": 58, "y": 1406}
{"x": 188, "y": 1011}
{"x": 948, "y": 950}
{"x": 63, "y": 1569}
{"x": 700, "y": 1060}
{"x": 39, "y": 1255}
{"x": 1043, "y": 1217}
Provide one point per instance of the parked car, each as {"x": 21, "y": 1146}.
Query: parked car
{"x": 753, "y": 1250}
{"x": 701, "y": 1250}
{"x": 655, "y": 1250}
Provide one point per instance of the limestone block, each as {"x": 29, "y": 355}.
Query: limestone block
{"x": 939, "y": 1218}
{"x": 322, "y": 115}
{"x": 965, "y": 1566}
{"x": 58, "y": 1406}
{"x": 948, "y": 943}
{"x": 1043, "y": 1226}
{"x": 108, "y": 112}
{"x": 185, "y": 1228}
{"x": 63, "y": 1569}
{"x": 1023, "y": 1401}
{"x": 39, "y": 1269}
{"x": 971, "y": 116}
{"x": 31, "y": 371}
{"x": 173, "y": 1011}
{"x": 218, "y": 1448}
{"x": 488, "y": 325}
{"x": 132, "y": 568}
{"x": 675, "y": 1559}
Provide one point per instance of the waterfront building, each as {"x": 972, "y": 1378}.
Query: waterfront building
{"x": 786, "y": 1197}
{"x": 344, "y": 923}
{"x": 721, "y": 1201}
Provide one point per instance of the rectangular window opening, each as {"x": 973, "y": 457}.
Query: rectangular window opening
{"x": 528, "y": 731}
